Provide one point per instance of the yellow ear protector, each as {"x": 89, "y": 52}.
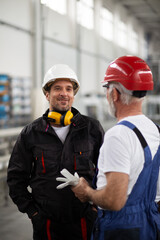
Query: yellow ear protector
{"x": 60, "y": 119}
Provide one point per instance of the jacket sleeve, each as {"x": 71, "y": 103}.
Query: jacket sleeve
{"x": 99, "y": 137}
{"x": 18, "y": 176}
{"x": 99, "y": 140}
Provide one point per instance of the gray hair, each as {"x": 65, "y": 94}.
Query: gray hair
{"x": 126, "y": 95}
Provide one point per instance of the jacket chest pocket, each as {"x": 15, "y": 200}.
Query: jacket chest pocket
{"x": 46, "y": 160}
{"x": 83, "y": 157}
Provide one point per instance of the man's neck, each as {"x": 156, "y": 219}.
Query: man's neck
{"x": 132, "y": 109}
{"x": 55, "y": 125}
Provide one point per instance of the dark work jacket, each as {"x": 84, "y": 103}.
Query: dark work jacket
{"x": 39, "y": 156}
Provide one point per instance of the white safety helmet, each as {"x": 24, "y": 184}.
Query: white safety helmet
{"x": 60, "y": 71}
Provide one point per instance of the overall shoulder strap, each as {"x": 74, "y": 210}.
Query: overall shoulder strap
{"x": 136, "y": 131}
{"x": 158, "y": 128}
{"x": 144, "y": 144}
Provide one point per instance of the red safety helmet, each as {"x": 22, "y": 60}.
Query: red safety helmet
{"x": 132, "y": 72}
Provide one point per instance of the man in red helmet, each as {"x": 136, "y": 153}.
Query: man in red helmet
{"x": 128, "y": 188}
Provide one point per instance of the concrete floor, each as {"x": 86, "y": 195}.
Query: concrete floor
{"x": 13, "y": 224}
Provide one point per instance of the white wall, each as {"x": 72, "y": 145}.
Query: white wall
{"x": 17, "y": 12}
{"x": 16, "y": 45}
{"x": 16, "y": 52}
{"x": 58, "y": 53}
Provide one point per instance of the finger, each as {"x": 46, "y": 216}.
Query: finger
{"x": 66, "y": 174}
{"x": 61, "y": 179}
{"x": 76, "y": 175}
{"x": 63, "y": 185}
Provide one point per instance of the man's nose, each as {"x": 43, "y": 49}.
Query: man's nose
{"x": 63, "y": 92}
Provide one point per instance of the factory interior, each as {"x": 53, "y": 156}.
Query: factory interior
{"x": 86, "y": 35}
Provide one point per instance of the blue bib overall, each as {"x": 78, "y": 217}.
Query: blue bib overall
{"x": 139, "y": 219}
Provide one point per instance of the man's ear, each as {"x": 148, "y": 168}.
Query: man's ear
{"x": 47, "y": 96}
{"x": 115, "y": 95}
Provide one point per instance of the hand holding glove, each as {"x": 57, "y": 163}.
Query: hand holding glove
{"x": 68, "y": 179}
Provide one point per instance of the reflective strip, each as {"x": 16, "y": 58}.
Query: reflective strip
{"x": 47, "y": 128}
{"x": 84, "y": 228}
{"x": 44, "y": 169}
{"x": 48, "y": 229}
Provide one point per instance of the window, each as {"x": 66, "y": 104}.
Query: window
{"x": 56, "y": 5}
{"x": 106, "y": 24}
{"x": 122, "y": 34}
{"x": 85, "y": 13}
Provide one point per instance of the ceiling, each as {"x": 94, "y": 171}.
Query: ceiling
{"x": 147, "y": 12}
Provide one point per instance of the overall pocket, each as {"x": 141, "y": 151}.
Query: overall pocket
{"x": 83, "y": 156}
{"x": 46, "y": 160}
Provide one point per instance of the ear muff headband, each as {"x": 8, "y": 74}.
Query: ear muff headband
{"x": 60, "y": 119}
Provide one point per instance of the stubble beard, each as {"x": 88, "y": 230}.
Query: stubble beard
{"x": 111, "y": 109}
{"x": 58, "y": 108}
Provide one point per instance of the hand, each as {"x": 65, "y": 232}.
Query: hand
{"x": 68, "y": 179}
{"x": 81, "y": 190}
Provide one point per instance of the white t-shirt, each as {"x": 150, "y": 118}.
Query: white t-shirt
{"x": 122, "y": 151}
{"x": 62, "y": 132}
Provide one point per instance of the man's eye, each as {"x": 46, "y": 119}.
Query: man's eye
{"x": 57, "y": 89}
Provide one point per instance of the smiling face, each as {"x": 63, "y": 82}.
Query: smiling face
{"x": 61, "y": 95}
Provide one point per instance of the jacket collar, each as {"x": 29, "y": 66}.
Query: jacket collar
{"x": 78, "y": 120}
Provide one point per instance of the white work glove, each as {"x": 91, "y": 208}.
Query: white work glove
{"x": 68, "y": 179}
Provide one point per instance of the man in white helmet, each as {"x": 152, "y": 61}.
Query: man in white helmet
{"x": 61, "y": 138}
